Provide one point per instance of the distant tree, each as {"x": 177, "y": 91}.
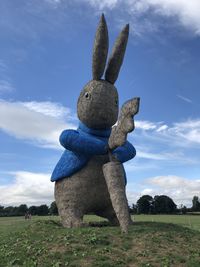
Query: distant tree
{"x": 195, "y": 204}
{"x": 21, "y": 210}
{"x": 42, "y": 210}
{"x": 1, "y": 211}
{"x": 1, "y": 208}
{"x": 183, "y": 209}
{"x": 33, "y": 210}
{"x": 53, "y": 208}
{"x": 10, "y": 211}
{"x": 133, "y": 209}
{"x": 164, "y": 204}
{"x": 144, "y": 204}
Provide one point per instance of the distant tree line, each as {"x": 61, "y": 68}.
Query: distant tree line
{"x": 145, "y": 205}
{"x": 162, "y": 205}
{"x": 21, "y": 210}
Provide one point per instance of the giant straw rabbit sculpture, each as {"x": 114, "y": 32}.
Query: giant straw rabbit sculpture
{"x": 80, "y": 184}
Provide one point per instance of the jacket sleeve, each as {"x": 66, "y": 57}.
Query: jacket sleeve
{"x": 76, "y": 142}
{"x": 125, "y": 152}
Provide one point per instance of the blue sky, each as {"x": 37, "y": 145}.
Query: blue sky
{"x": 45, "y": 60}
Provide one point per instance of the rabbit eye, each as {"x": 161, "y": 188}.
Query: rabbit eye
{"x": 116, "y": 101}
{"x": 87, "y": 95}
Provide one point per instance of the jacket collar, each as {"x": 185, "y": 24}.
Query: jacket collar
{"x": 102, "y": 133}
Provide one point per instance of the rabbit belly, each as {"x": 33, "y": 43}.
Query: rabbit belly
{"x": 83, "y": 192}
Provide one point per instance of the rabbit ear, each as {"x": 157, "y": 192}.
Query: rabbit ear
{"x": 100, "y": 49}
{"x": 116, "y": 59}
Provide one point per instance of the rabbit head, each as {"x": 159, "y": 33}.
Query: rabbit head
{"x": 98, "y": 105}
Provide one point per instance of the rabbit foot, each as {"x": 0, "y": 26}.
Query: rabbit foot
{"x": 71, "y": 219}
{"x": 72, "y": 222}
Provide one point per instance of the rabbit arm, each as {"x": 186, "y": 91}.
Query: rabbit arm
{"x": 125, "y": 152}
{"x": 76, "y": 142}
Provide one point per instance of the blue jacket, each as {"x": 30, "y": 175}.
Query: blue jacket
{"x": 81, "y": 144}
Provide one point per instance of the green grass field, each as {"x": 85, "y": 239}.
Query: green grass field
{"x": 191, "y": 221}
{"x": 154, "y": 240}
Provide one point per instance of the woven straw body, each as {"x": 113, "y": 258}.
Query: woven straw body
{"x": 85, "y": 191}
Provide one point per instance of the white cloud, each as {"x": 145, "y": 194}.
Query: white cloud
{"x": 187, "y": 132}
{"x": 160, "y": 146}
{"x": 180, "y": 189}
{"x": 162, "y": 128}
{"x": 101, "y": 4}
{"x": 48, "y": 108}
{"x": 36, "y": 189}
{"x": 42, "y": 122}
{"x": 157, "y": 156}
{"x": 186, "y": 99}
{"x": 38, "y": 122}
{"x": 5, "y": 86}
{"x": 145, "y": 125}
{"x": 185, "y": 11}
{"x": 132, "y": 196}
{"x": 135, "y": 165}
{"x": 172, "y": 156}
{"x": 53, "y": 1}
{"x": 147, "y": 155}
{"x": 27, "y": 188}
